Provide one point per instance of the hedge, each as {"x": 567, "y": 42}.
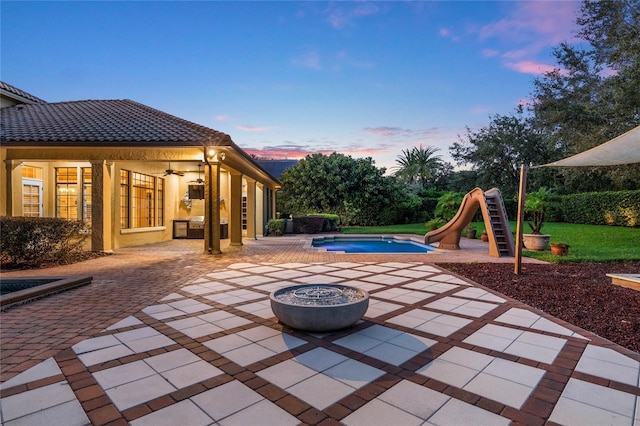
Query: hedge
{"x": 276, "y": 226}
{"x": 34, "y": 241}
{"x": 620, "y": 208}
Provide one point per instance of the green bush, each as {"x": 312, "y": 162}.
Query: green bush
{"x": 620, "y": 208}
{"x": 276, "y": 226}
{"x": 331, "y": 222}
{"x": 34, "y": 241}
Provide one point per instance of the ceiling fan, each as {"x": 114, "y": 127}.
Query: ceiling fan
{"x": 198, "y": 181}
{"x": 170, "y": 171}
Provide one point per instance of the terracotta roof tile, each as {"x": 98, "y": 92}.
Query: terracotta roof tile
{"x": 6, "y": 87}
{"x": 101, "y": 122}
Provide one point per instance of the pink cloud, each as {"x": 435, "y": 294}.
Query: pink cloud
{"x": 248, "y": 128}
{"x": 221, "y": 117}
{"x": 283, "y": 153}
{"x": 530, "y": 67}
{"x": 552, "y": 22}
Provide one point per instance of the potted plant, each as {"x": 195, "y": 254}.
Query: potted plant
{"x": 559, "y": 249}
{"x": 484, "y": 236}
{"x": 471, "y": 232}
{"x": 536, "y": 205}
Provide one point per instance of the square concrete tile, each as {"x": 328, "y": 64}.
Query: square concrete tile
{"x": 261, "y": 309}
{"x": 286, "y": 373}
{"x": 498, "y": 389}
{"x": 609, "y": 364}
{"x": 418, "y": 400}
{"x": 587, "y": 403}
{"x": 129, "y": 321}
{"x": 380, "y": 413}
{"x": 479, "y": 294}
{"x": 378, "y": 308}
{"x": 456, "y": 412}
{"x": 189, "y": 374}
{"x": 103, "y": 355}
{"x": 353, "y": 373}
{"x": 249, "y": 354}
{"x": 227, "y": 343}
{"x": 430, "y": 286}
{"x": 46, "y": 368}
{"x": 68, "y": 413}
{"x": 258, "y": 333}
{"x": 225, "y": 400}
{"x": 184, "y": 412}
{"x": 309, "y": 391}
{"x": 447, "y": 372}
{"x": 320, "y": 359}
{"x": 149, "y": 343}
{"x": 122, "y": 374}
{"x": 171, "y": 360}
{"x": 33, "y": 401}
{"x": 282, "y": 342}
{"x": 257, "y": 413}
{"x": 202, "y": 330}
{"x": 95, "y": 343}
{"x": 392, "y": 354}
{"x": 133, "y": 393}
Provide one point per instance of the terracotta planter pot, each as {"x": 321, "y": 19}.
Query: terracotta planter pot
{"x": 536, "y": 242}
{"x": 559, "y": 249}
{"x": 484, "y": 237}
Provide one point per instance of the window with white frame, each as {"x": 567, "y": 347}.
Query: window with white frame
{"x": 31, "y": 191}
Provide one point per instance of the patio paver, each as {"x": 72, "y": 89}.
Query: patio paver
{"x": 201, "y": 346}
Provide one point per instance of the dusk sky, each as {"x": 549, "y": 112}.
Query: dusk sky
{"x": 287, "y": 79}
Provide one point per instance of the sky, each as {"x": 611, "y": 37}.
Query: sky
{"x": 288, "y": 79}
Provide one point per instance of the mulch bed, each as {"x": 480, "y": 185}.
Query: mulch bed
{"x": 579, "y": 293}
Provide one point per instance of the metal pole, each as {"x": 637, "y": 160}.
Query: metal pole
{"x": 522, "y": 195}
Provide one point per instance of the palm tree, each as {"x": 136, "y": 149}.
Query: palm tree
{"x": 418, "y": 165}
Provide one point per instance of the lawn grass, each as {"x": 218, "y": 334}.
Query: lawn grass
{"x": 588, "y": 243}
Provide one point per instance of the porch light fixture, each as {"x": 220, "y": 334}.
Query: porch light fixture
{"x": 213, "y": 156}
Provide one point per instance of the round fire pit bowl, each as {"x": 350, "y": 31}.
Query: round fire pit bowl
{"x": 319, "y": 307}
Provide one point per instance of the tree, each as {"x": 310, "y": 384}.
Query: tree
{"x": 594, "y": 94}
{"x": 419, "y": 165}
{"x": 355, "y": 189}
{"x": 496, "y": 151}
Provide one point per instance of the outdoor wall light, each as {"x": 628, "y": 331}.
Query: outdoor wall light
{"x": 214, "y": 157}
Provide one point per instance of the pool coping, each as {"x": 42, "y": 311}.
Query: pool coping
{"x": 58, "y": 285}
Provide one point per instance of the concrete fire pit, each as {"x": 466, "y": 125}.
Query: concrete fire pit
{"x": 319, "y": 307}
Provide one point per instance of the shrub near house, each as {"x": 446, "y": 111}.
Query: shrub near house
{"x": 33, "y": 241}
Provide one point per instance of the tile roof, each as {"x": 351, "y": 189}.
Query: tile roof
{"x": 12, "y": 90}
{"x": 102, "y": 123}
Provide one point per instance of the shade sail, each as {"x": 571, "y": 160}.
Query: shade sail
{"x": 624, "y": 149}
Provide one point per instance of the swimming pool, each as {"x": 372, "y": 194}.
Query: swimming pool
{"x": 370, "y": 245}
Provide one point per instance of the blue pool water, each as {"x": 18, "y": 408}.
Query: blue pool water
{"x": 370, "y": 245}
